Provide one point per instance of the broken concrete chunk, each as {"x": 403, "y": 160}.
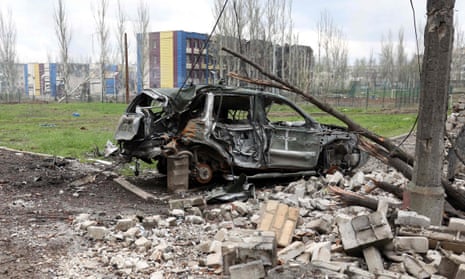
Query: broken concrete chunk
{"x": 240, "y": 207}
{"x": 334, "y": 179}
{"x": 194, "y": 219}
{"x": 143, "y": 243}
{"x": 252, "y": 270}
{"x": 457, "y": 224}
{"x": 321, "y": 225}
{"x": 177, "y": 213}
{"x": 415, "y": 244}
{"x": 415, "y": 267}
{"x": 97, "y": 232}
{"x": 321, "y": 252}
{"x": 291, "y": 251}
{"x": 357, "y": 180}
{"x": 411, "y": 218}
{"x": 125, "y": 224}
{"x": 214, "y": 260}
{"x": 241, "y": 246}
{"x": 281, "y": 219}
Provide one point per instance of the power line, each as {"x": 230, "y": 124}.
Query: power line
{"x": 204, "y": 47}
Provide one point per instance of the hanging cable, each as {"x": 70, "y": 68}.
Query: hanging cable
{"x": 419, "y": 75}
{"x": 203, "y": 47}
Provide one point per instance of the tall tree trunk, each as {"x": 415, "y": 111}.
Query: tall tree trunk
{"x": 425, "y": 193}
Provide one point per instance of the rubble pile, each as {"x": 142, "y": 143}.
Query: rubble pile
{"x": 301, "y": 230}
{"x": 455, "y": 141}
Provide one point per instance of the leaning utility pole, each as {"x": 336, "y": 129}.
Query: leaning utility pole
{"x": 425, "y": 193}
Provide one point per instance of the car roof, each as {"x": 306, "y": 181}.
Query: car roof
{"x": 180, "y": 98}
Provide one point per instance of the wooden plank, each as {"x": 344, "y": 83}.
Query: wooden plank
{"x": 134, "y": 189}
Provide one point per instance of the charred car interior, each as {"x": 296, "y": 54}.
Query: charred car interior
{"x": 227, "y": 131}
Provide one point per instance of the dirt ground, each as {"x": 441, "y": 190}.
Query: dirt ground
{"x": 38, "y": 202}
{"x": 40, "y": 196}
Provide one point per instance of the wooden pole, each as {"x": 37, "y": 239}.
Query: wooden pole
{"x": 126, "y": 66}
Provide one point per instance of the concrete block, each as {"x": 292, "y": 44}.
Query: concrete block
{"x": 143, "y": 243}
{"x": 291, "y": 251}
{"x": 151, "y": 222}
{"x": 177, "y": 212}
{"x": 281, "y": 219}
{"x": 97, "y": 232}
{"x": 125, "y": 224}
{"x": 321, "y": 252}
{"x": 214, "y": 260}
{"x": 363, "y": 231}
{"x": 252, "y": 270}
{"x": 457, "y": 224}
{"x": 411, "y": 218}
{"x": 416, "y": 244}
{"x": 373, "y": 259}
{"x": 240, "y": 207}
{"x": 334, "y": 179}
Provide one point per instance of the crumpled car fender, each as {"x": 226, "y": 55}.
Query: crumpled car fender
{"x": 128, "y": 126}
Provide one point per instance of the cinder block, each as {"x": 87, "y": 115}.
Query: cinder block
{"x": 252, "y": 270}
{"x": 363, "y": 231}
{"x": 281, "y": 219}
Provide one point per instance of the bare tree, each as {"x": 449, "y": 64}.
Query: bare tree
{"x": 102, "y": 30}
{"x": 120, "y": 31}
{"x": 7, "y": 53}
{"x": 401, "y": 60}
{"x": 386, "y": 59}
{"x": 458, "y": 54}
{"x": 63, "y": 33}
{"x": 261, "y": 30}
{"x": 332, "y": 61}
{"x": 141, "y": 29}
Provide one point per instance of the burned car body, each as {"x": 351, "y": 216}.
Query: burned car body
{"x": 229, "y": 131}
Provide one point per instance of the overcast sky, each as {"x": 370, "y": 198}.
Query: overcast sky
{"x": 363, "y": 22}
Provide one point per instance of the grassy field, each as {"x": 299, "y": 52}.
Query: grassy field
{"x": 73, "y": 130}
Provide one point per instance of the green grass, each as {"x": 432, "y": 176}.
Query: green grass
{"x": 52, "y": 128}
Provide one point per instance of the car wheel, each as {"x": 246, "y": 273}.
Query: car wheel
{"x": 203, "y": 173}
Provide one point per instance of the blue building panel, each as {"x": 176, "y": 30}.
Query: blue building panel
{"x": 181, "y": 59}
{"x": 26, "y": 83}
{"x": 53, "y": 79}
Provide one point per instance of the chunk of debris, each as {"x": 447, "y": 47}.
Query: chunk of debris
{"x": 279, "y": 218}
{"x": 251, "y": 270}
{"x": 362, "y": 231}
{"x": 411, "y": 218}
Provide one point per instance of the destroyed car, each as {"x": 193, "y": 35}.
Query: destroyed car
{"x": 228, "y": 131}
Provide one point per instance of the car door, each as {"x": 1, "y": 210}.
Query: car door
{"x": 294, "y": 141}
